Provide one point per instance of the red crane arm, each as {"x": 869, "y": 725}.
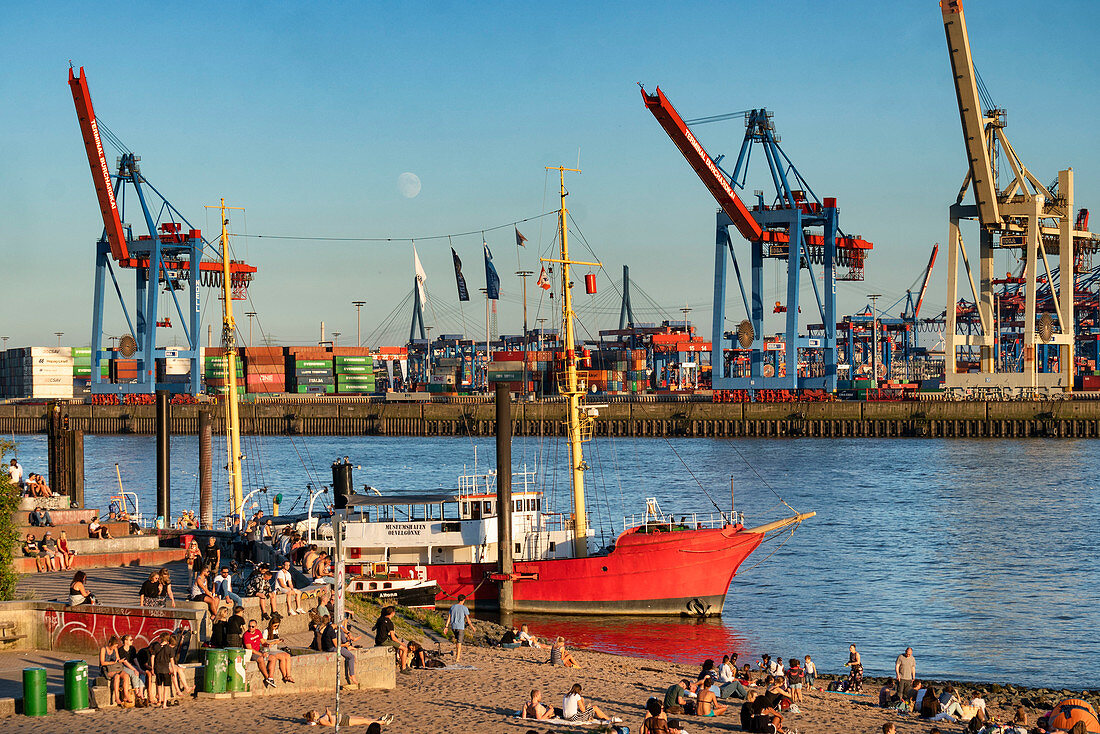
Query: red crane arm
{"x": 705, "y": 168}
{"x": 927, "y": 276}
{"x": 101, "y": 175}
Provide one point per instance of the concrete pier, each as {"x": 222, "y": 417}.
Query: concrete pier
{"x": 1071, "y": 418}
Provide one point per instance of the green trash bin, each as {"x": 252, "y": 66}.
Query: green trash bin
{"x": 76, "y": 685}
{"x": 34, "y": 691}
{"x": 214, "y": 670}
{"x": 235, "y": 671}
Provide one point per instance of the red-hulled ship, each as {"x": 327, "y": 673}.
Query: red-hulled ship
{"x": 658, "y": 564}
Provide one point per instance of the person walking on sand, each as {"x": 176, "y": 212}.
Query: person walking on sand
{"x": 458, "y": 620}
{"x": 905, "y": 671}
{"x": 855, "y": 676}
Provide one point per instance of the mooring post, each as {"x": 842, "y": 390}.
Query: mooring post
{"x": 504, "y": 496}
{"x": 164, "y": 458}
{"x": 206, "y": 489}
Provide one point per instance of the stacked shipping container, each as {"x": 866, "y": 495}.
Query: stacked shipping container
{"x": 215, "y": 372}
{"x": 265, "y": 370}
{"x": 312, "y": 370}
{"x": 354, "y": 370}
{"x": 37, "y": 372}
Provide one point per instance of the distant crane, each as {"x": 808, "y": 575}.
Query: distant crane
{"x": 782, "y": 228}
{"x": 168, "y": 256}
{"x": 1024, "y": 215}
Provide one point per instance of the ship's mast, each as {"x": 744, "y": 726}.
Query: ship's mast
{"x": 229, "y": 341}
{"x": 579, "y": 426}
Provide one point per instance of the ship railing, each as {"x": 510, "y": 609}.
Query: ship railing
{"x": 686, "y": 521}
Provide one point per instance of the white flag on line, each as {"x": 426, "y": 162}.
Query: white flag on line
{"x": 421, "y": 276}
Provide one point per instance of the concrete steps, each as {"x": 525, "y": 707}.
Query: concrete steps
{"x": 149, "y": 557}
{"x": 75, "y": 531}
{"x": 60, "y": 517}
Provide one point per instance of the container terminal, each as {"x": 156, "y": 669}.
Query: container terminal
{"x": 1030, "y": 336}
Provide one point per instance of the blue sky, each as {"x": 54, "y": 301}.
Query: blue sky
{"x": 307, "y": 116}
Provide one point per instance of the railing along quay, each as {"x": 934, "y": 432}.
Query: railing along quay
{"x": 1079, "y": 418}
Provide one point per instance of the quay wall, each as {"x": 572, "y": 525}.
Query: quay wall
{"x": 839, "y": 419}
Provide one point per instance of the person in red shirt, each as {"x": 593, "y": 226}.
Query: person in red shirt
{"x": 254, "y": 643}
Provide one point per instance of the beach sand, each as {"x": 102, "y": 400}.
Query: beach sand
{"x": 483, "y": 700}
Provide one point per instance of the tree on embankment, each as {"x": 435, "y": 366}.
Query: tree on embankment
{"x": 9, "y": 504}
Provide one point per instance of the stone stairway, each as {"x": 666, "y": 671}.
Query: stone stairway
{"x": 122, "y": 549}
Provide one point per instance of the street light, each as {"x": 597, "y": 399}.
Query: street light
{"x": 5, "y": 338}
{"x": 335, "y": 336}
{"x": 250, "y": 315}
{"x": 59, "y": 334}
{"x": 358, "y": 305}
{"x": 874, "y": 335}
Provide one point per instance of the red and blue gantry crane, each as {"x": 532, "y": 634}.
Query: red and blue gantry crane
{"x": 792, "y": 226}
{"x": 169, "y": 257}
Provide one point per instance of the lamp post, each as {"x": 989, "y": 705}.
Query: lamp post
{"x": 5, "y": 338}
{"x": 874, "y": 335}
{"x": 335, "y": 336}
{"x": 251, "y": 315}
{"x": 358, "y": 305}
{"x": 59, "y": 334}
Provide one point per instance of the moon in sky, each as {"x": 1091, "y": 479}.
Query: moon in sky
{"x": 408, "y": 184}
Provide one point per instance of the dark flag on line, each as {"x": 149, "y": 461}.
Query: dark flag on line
{"x": 521, "y": 241}
{"x": 492, "y": 280}
{"x": 463, "y": 294}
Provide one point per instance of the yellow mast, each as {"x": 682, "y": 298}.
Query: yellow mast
{"x": 229, "y": 341}
{"x": 579, "y": 428}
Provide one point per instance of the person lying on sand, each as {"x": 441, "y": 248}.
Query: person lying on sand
{"x": 329, "y": 719}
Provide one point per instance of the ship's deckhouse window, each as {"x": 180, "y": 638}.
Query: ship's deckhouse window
{"x": 519, "y": 548}
{"x": 487, "y": 507}
{"x": 519, "y": 505}
{"x": 465, "y": 510}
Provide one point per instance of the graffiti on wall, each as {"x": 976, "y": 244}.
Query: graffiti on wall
{"x": 86, "y": 631}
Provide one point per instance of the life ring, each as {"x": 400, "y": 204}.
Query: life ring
{"x": 698, "y": 608}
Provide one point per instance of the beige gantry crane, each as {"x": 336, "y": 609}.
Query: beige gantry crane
{"x": 1022, "y": 215}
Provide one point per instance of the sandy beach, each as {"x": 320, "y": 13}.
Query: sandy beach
{"x": 485, "y": 699}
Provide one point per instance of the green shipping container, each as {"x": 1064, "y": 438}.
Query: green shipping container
{"x": 312, "y": 364}
{"x": 506, "y": 376}
{"x": 354, "y": 361}
{"x": 307, "y": 389}
{"x": 82, "y": 371}
{"x": 354, "y": 369}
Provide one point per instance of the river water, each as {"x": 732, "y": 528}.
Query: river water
{"x": 977, "y": 553}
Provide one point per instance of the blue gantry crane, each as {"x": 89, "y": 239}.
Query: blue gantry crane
{"x": 794, "y": 226}
{"x": 169, "y": 256}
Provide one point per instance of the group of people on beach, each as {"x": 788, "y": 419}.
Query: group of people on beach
{"x": 149, "y": 676}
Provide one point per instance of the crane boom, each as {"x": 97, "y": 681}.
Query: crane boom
{"x": 970, "y": 111}
{"x": 101, "y": 174}
{"x": 720, "y": 188}
{"x": 927, "y": 277}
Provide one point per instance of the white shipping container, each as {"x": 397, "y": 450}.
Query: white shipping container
{"x": 49, "y": 351}
{"x": 46, "y": 380}
{"x": 176, "y": 366}
{"x": 47, "y": 370}
{"x": 48, "y": 360}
